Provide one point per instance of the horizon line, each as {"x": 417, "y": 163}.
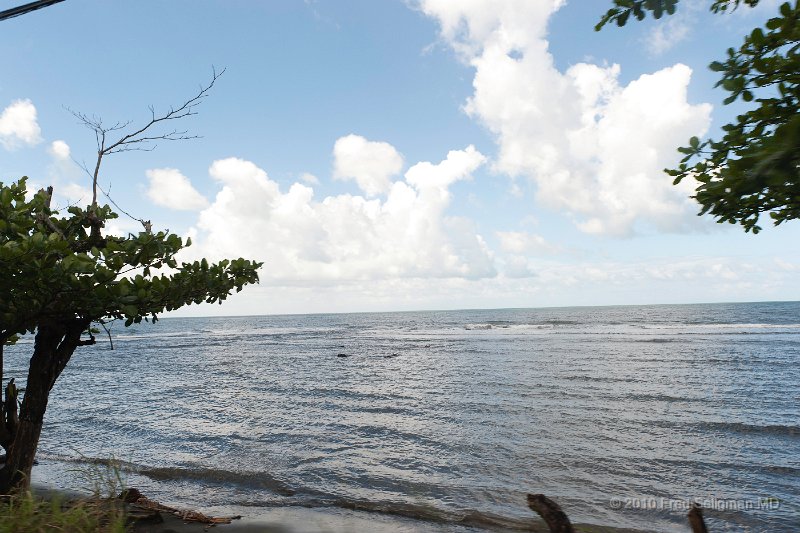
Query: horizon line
{"x": 478, "y": 309}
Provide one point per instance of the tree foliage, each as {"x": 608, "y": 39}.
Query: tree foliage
{"x": 625, "y": 9}
{"x": 58, "y": 276}
{"x": 61, "y": 272}
{"x": 755, "y": 167}
{"x": 51, "y": 268}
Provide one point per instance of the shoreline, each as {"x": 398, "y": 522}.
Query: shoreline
{"x": 328, "y": 519}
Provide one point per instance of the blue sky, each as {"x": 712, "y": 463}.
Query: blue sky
{"x": 392, "y": 155}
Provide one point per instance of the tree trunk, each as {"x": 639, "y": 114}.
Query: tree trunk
{"x": 5, "y": 434}
{"x": 8, "y": 405}
{"x": 9, "y": 420}
{"x": 55, "y": 342}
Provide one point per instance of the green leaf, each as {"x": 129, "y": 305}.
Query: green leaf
{"x": 774, "y": 23}
{"x": 757, "y": 37}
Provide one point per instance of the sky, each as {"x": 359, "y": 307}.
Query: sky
{"x": 387, "y": 155}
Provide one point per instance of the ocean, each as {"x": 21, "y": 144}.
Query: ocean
{"x": 444, "y": 420}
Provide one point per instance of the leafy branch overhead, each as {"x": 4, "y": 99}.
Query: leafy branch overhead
{"x": 625, "y": 9}
{"x": 755, "y": 167}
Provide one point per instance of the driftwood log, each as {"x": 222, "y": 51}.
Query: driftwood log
{"x": 551, "y": 513}
{"x": 558, "y": 522}
{"x": 696, "y": 521}
{"x": 139, "y": 502}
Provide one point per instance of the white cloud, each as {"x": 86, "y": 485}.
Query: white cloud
{"x": 64, "y": 176}
{"x": 311, "y": 179}
{"x": 521, "y": 252}
{"x": 59, "y": 150}
{"x": 470, "y": 25}
{"x": 74, "y": 194}
{"x": 371, "y": 164}
{"x": 458, "y": 165}
{"x": 593, "y": 147}
{"x": 122, "y": 226}
{"x": 169, "y": 188}
{"x": 521, "y": 242}
{"x": 339, "y": 238}
{"x": 62, "y": 173}
{"x": 667, "y": 34}
{"x": 671, "y": 30}
{"x": 18, "y": 125}
{"x": 517, "y": 266}
{"x": 786, "y": 265}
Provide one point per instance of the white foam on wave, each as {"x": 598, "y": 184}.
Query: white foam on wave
{"x": 510, "y": 328}
{"x": 720, "y": 326}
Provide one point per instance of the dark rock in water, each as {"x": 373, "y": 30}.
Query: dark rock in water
{"x": 342, "y": 355}
{"x": 391, "y": 356}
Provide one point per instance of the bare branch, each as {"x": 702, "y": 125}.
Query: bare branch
{"x": 135, "y": 149}
{"x": 174, "y": 135}
{"x": 44, "y": 217}
{"x": 108, "y": 331}
{"x": 141, "y": 138}
{"x": 81, "y": 165}
{"x": 148, "y": 227}
{"x": 184, "y": 110}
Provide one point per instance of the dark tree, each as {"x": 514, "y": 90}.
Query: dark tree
{"x": 60, "y": 274}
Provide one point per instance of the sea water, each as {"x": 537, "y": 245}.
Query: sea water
{"x": 623, "y": 415}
